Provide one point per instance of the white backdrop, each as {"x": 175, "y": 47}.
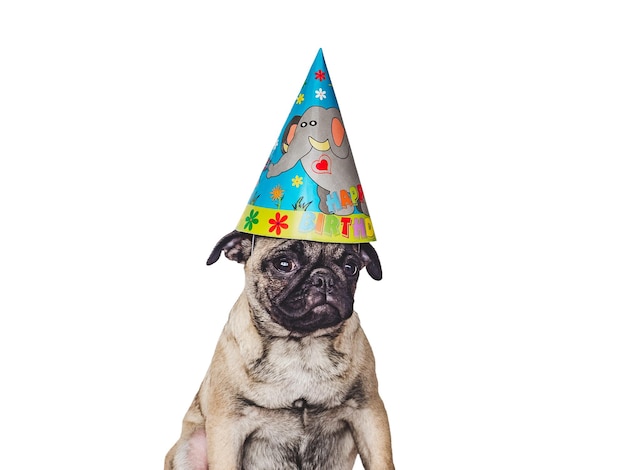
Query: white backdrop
{"x": 489, "y": 137}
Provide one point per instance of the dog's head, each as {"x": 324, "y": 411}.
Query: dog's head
{"x": 303, "y": 286}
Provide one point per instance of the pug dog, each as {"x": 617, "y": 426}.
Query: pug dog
{"x": 292, "y": 384}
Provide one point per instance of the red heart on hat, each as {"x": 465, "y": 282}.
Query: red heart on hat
{"x": 322, "y": 165}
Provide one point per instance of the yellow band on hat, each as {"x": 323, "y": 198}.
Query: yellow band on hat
{"x": 306, "y": 225}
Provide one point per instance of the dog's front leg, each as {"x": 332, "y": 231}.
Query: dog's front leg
{"x": 226, "y": 434}
{"x": 370, "y": 429}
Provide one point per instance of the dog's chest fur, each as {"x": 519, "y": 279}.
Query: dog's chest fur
{"x": 306, "y": 369}
{"x": 305, "y": 422}
{"x": 309, "y": 437}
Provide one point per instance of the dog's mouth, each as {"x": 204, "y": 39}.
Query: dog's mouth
{"x": 311, "y": 311}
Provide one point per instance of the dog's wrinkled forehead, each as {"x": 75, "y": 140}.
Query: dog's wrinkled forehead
{"x": 309, "y": 251}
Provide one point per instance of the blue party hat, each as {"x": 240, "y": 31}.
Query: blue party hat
{"x": 309, "y": 188}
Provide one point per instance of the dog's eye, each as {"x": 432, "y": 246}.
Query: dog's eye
{"x": 285, "y": 265}
{"x": 350, "y": 269}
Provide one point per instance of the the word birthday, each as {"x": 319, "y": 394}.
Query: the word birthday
{"x": 333, "y": 225}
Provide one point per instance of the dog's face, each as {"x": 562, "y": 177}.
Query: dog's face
{"x": 303, "y": 286}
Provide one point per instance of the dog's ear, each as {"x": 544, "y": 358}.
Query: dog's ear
{"x": 372, "y": 263}
{"x": 237, "y": 246}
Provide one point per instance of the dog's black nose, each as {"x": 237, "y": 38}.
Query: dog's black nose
{"x": 323, "y": 280}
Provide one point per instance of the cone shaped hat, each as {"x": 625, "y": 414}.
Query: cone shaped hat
{"x": 309, "y": 188}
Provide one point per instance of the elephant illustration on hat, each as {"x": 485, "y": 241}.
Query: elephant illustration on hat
{"x": 318, "y": 140}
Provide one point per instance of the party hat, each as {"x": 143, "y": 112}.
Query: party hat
{"x": 309, "y": 188}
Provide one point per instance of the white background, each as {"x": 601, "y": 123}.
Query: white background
{"x": 489, "y": 138}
